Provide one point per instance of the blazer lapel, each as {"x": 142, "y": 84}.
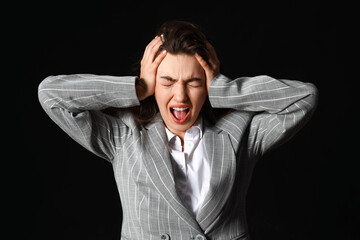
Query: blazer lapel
{"x": 159, "y": 169}
{"x": 223, "y": 167}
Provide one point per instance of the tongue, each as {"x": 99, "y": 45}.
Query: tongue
{"x": 180, "y": 114}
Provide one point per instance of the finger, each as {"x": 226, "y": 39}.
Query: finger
{"x": 212, "y": 52}
{"x": 152, "y": 42}
{"x": 155, "y": 49}
{"x": 159, "y": 58}
{"x": 203, "y": 63}
{"x": 213, "y": 59}
{"x": 150, "y": 46}
{"x": 162, "y": 37}
{"x": 208, "y": 70}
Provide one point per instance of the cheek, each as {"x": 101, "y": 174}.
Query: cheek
{"x": 199, "y": 97}
{"x": 161, "y": 97}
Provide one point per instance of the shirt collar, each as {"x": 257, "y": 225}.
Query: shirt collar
{"x": 198, "y": 126}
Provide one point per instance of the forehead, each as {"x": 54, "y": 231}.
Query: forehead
{"x": 180, "y": 66}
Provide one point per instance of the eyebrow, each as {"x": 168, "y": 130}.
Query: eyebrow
{"x": 168, "y": 78}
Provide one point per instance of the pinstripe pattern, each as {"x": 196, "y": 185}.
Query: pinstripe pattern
{"x": 267, "y": 113}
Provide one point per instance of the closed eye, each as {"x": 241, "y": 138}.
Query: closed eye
{"x": 194, "y": 82}
{"x": 168, "y": 81}
{"x": 195, "y": 86}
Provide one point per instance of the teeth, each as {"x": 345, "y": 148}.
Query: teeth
{"x": 179, "y": 109}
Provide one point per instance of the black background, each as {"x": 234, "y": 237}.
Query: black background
{"x": 306, "y": 189}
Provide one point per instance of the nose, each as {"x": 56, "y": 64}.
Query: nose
{"x": 180, "y": 93}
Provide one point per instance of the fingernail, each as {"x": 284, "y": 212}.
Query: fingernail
{"x": 162, "y": 37}
{"x": 164, "y": 51}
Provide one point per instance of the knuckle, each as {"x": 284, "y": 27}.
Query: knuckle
{"x": 155, "y": 48}
{"x": 157, "y": 60}
{"x": 202, "y": 62}
{"x": 205, "y": 63}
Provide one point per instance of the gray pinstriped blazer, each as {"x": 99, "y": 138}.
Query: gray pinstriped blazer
{"x": 267, "y": 113}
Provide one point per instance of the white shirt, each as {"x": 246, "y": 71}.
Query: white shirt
{"x": 191, "y": 166}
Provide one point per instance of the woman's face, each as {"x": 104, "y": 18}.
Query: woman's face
{"x": 180, "y": 91}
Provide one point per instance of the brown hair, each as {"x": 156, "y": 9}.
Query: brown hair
{"x": 179, "y": 37}
{"x": 183, "y": 37}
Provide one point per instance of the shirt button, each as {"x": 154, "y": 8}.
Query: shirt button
{"x": 200, "y": 237}
{"x": 165, "y": 237}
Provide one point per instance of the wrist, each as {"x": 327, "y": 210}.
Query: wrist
{"x": 210, "y": 80}
{"x": 141, "y": 89}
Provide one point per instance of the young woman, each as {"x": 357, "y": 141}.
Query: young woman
{"x": 183, "y": 139}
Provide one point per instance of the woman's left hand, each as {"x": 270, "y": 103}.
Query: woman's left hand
{"x": 212, "y": 68}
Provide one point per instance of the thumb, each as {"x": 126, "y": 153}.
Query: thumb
{"x": 203, "y": 63}
{"x": 209, "y": 72}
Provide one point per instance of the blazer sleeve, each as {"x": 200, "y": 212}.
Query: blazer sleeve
{"x": 279, "y": 107}
{"x": 74, "y": 102}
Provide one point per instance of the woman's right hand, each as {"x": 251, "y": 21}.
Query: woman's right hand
{"x": 145, "y": 86}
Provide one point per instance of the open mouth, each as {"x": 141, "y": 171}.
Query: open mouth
{"x": 180, "y": 114}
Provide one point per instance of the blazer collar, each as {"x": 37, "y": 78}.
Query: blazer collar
{"x": 223, "y": 167}
{"x": 158, "y": 166}
{"x": 222, "y": 161}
